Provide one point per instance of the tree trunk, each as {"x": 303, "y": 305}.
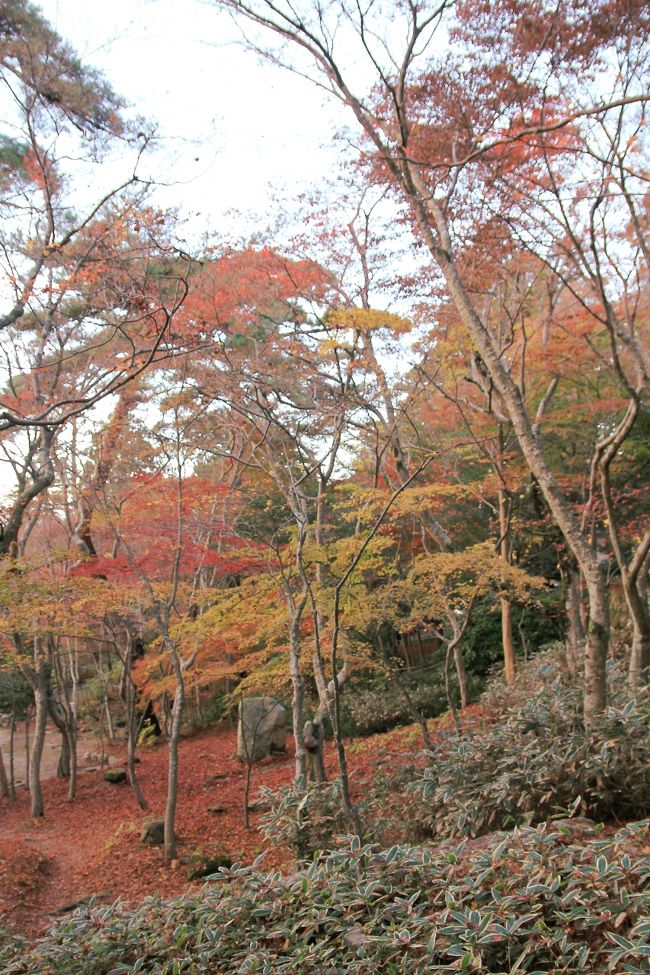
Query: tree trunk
{"x": 298, "y": 690}
{"x": 506, "y": 607}
{"x": 596, "y": 648}
{"x": 313, "y": 737}
{"x": 12, "y": 734}
{"x": 4, "y": 781}
{"x": 247, "y": 792}
{"x": 640, "y": 656}
{"x": 27, "y": 748}
{"x": 72, "y": 784}
{"x": 174, "y": 739}
{"x": 38, "y": 741}
{"x": 461, "y": 673}
{"x": 575, "y": 631}
{"x": 110, "y": 731}
{"x": 63, "y": 765}
{"x": 133, "y": 726}
{"x": 449, "y": 692}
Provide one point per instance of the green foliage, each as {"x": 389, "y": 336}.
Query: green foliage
{"x": 535, "y": 901}
{"x": 12, "y": 159}
{"x": 15, "y": 693}
{"x": 537, "y": 761}
{"x": 532, "y": 627}
{"x": 380, "y": 706}
{"x": 103, "y": 684}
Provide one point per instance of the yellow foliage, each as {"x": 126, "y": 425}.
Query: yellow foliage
{"x": 368, "y": 320}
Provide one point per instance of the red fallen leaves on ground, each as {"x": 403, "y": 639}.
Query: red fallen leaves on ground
{"x": 92, "y": 846}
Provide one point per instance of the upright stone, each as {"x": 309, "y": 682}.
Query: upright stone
{"x": 262, "y": 728}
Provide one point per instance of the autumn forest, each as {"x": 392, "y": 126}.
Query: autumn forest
{"x": 386, "y": 466}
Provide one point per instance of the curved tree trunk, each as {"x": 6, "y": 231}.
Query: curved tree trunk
{"x": 597, "y": 643}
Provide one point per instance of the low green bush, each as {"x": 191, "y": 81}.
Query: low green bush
{"x": 537, "y": 760}
{"x": 381, "y": 706}
{"x": 535, "y": 901}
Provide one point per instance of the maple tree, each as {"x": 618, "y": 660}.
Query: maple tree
{"x": 456, "y": 139}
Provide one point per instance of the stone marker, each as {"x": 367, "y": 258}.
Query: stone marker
{"x": 153, "y": 831}
{"x": 262, "y": 728}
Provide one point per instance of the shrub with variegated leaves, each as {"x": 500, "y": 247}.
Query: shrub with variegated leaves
{"x": 535, "y": 901}
{"x": 537, "y": 760}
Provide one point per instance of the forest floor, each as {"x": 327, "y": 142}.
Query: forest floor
{"x": 92, "y": 846}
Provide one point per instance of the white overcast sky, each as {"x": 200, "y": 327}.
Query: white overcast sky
{"x": 239, "y": 134}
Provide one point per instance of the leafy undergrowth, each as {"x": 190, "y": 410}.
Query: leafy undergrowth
{"x": 531, "y": 901}
{"x": 535, "y": 760}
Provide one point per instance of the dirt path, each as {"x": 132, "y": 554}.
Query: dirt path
{"x": 87, "y": 751}
{"x": 93, "y": 846}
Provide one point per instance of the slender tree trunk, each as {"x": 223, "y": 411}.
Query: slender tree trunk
{"x": 72, "y": 784}
{"x": 506, "y": 607}
{"x": 298, "y": 690}
{"x": 640, "y": 656}
{"x": 636, "y": 571}
{"x": 575, "y": 631}
{"x": 36, "y": 754}
{"x": 174, "y": 740}
{"x": 73, "y": 728}
{"x": 27, "y": 748}
{"x": 596, "y": 647}
{"x": 457, "y": 655}
{"x": 313, "y": 735}
{"x": 430, "y": 215}
{"x": 4, "y": 781}
{"x": 247, "y": 792}
{"x": 335, "y": 711}
{"x": 63, "y": 765}
{"x": 110, "y": 731}
{"x": 449, "y": 691}
{"x": 12, "y": 734}
{"x": 461, "y": 673}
